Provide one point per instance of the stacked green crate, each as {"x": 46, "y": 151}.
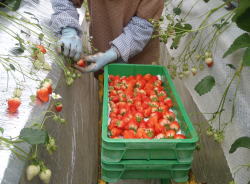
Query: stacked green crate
{"x": 144, "y": 158}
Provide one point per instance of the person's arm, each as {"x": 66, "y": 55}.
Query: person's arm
{"x": 65, "y": 15}
{"x": 65, "y": 23}
{"x": 139, "y": 30}
{"x": 134, "y": 38}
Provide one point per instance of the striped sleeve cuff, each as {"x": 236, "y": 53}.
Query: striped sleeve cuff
{"x": 134, "y": 38}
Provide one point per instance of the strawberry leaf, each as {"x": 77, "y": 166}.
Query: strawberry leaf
{"x": 241, "y": 42}
{"x": 242, "y": 15}
{"x": 205, "y": 85}
{"x": 34, "y": 136}
{"x": 243, "y": 142}
{"x": 177, "y": 11}
{"x": 231, "y": 66}
{"x": 246, "y": 57}
{"x": 12, "y": 67}
{"x": 1, "y": 130}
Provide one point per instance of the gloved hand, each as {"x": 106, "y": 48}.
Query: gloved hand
{"x": 99, "y": 60}
{"x": 71, "y": 43}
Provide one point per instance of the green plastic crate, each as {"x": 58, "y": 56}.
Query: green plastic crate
{"x": 115, "y": 150}
{"x": 139, "y": 169}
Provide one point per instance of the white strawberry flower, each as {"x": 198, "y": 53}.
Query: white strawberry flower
{"x": 56, "y": 96}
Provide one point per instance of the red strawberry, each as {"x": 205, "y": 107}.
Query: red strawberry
{"x": 175, "y": 126}
{"x": 180, "y": 136}
{"x": 170, "y": 134}
{"x": 129, "y": 134}
{"x": 140, "y": 84}
{"x": 58, "y": 106}
{"x": 47, "y": 84}
{"x": 123, "y": 111}
{"x": 168, "y": 102}
{"x": 41, "y": 48}
{"x": 159, "y": 128}
{"x": 160, "y": 136}
{"x": 154, "y": 98}
{"x": 120, "y": 124}
{"x": 13, "y": 104}
{"x": 165, "y": 123}
{"x": 169, "y": 115}
{"x": 43, "y": 94}
{"x": 138, "y": 116}
{"x": 114, "y": 99}
{"x": 112, "y": 115}
{"x": 132, "y": 125}
{"x": 209, "y": 62}
{"x": 147, "y": 77}
{"x": 152, "y": 121}
{"x": 157, "y": 83}
{"x": 115, "y": 132}
{"x": 149, "y": 133}
{"x": 140, "y": 133}
{"x": 143, "y": 124}
{"x": 138, "y": 77}
{"x": 147, "y": 112}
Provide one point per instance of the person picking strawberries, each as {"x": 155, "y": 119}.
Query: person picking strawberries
{"x": 121, "y": 31}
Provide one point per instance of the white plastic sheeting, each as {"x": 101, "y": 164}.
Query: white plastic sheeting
{"x": 209, "y": 102}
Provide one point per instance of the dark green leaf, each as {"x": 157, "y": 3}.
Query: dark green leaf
{"x": 206, "y": 1}
{"x": 181, "y": 29}
{"x": 243, "y": 142}
{"x": 241, "y": 42}
{"x": 17, "y": 51}
{"x": 205, "y": 85}
{"x": 246, "y": 57}
{"x": 41, "y": 35}
{"x": 1, "y": 130}
{"x": 219, "y": 26}
{"x": 13, "y": 4}
{"x": 32, "y": 98}
{"x": 34, "y": 136}
{"x": 12, "y": 67}
{"x": 175, "y": 42}
{"x": 242, "y": 15}
{"x": 249, "y": 182}
{"x": 177, "y": 11}
{"x": 231, "y": 66}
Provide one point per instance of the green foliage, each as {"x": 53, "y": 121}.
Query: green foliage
{"x": 12, "y": 67}
{"x": 34, "y": 136}
{"x": 205, "y": 85}
{"x": 242, "y": 15}
{"x": 177, "y": 11}
{"x": 241, "y": 42}
{"x": 180, "y": 31}
{"x": 231, "y": 66}
{"x": 12, "y": 4}
{"x": 246, "y": 57}
{"x": 221, "y": 24}
{"x": 1, "y": 130}
{"x": 243, "y": 142}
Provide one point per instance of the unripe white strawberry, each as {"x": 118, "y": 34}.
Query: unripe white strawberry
{"x": 186, "y": 73}
{"x": 45, "y": 176}
{"x": 208, "y": 54}
{"x": 209, "y": 61}
{"x": 32, "y": 171}
{"x": 194, "y": 71}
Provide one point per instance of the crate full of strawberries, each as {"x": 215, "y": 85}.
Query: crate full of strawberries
{"x": 143, "y": 112}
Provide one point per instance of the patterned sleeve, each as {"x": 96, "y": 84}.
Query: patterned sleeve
{"x": 134, "y": 38}
{"x": 65, "y": 15}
